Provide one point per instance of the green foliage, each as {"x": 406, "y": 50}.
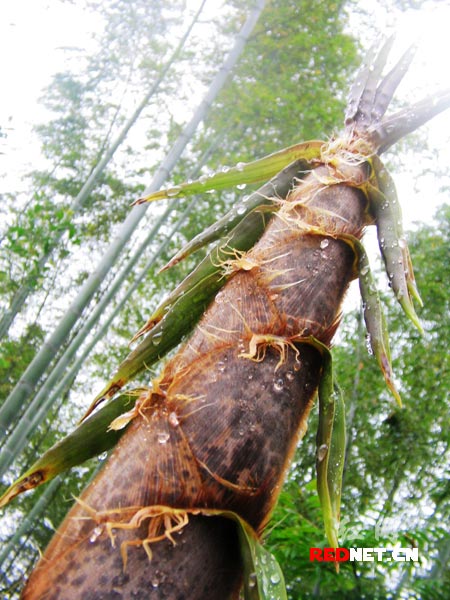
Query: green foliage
{"x": 13, "y": 354}
{"x": 294, "y": 93}
{"x": 395, "y": 482}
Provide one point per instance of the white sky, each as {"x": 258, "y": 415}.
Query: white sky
{"x": 429, "y": 72}
{"x": 33, "y": 33}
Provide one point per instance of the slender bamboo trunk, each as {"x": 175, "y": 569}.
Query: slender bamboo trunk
{"x": 219, "y": 426}
{"x": 25, "y": 386}
{"x": 59, "y": 381}
{"x": 26, "y": 288}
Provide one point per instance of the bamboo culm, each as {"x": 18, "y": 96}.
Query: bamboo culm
{"x": 234, "y": 400}
{"x": 217, "y": 429}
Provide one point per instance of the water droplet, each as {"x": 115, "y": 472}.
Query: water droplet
{"x": 157, "y": 339}
{"x": 174, "y": 191}
{"x": 324, "y": 243}
{"x": 402, "y": 243}
{"x": 96, "y": 533}
{"x": 173, "y": 419}
{"x": 155, "y": 583}
{"x": 278, "y": 385}
{"x": 163, "y": 437}
{"x": 241, "y": 345}
{"x": 290, "y": 376}
{"x": 275, "y": 578}
{"x": 221, "y": 366}
{"x": 365, "y": 270}
{"x": 252, "y": 580}
{"x": 241, "y": 186}
{"x": 322, "y": 451}
{"x": 225, "y": 169}
{"x": 241, "y": 209}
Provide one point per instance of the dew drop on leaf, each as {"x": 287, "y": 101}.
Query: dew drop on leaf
{"x": 275, "y": 578}
{"x": 252, "y": 580}
{"x": 174, "y": 191}
{"x": 322, "y": 452}
{"x": 364, "y": 270}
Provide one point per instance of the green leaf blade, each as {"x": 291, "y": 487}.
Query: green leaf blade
{"x": 327, "y": 488}
{"x": 375, "y": 321}
{"x": 393, "y": 246}
{"x": 263, "y": 577}
{"x": 89, "y": 439}
{"x": 242, "y": 173}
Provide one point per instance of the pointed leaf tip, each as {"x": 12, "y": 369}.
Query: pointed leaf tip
{"x": 251, "y": 172}
{"x": 408, "y": 309}
{"x": 393, "y": 246}
{"x": 89, "y": 439}
{"x": 388, "y": 374}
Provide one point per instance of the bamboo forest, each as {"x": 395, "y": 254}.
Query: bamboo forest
{"x": 224, "y": 304}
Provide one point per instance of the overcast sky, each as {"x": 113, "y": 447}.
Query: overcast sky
{"x": 33, "y": 34}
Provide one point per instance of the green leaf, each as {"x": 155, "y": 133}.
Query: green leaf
{"x": 261, "y": 201}
{"x": 90, "y": 439}
{"x": 252, "y": 172}
{"x": 393, "y": 246}
{"x": 330, "y": 443}
{"x": 182, "y": 309}
{"x": 374, "y": 316}
{"x": 177, "y": 315}
{"x": 263, "y": 577}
